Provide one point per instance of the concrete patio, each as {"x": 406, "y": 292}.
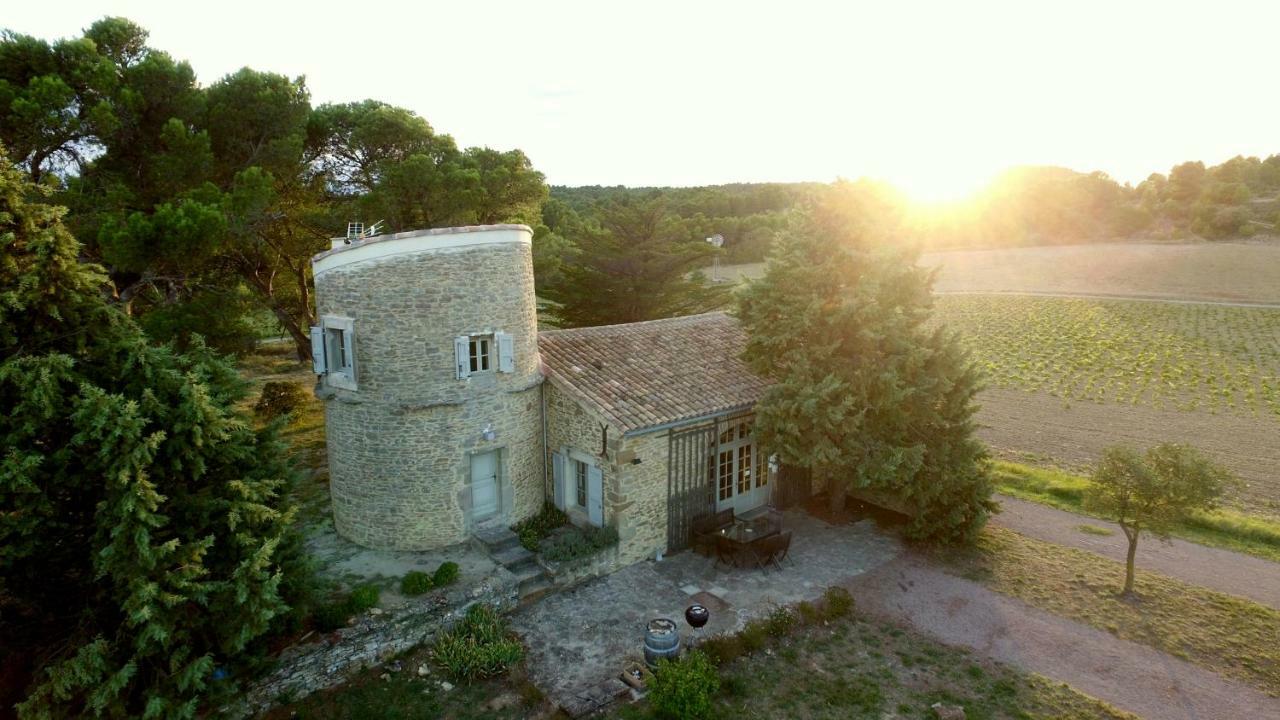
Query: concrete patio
{"x": 579, "y": 639}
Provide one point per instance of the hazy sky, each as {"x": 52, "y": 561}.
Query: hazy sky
{"x": 935, "y": 97}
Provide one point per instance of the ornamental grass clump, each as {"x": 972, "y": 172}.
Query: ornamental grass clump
{"x": 480, "y": 646}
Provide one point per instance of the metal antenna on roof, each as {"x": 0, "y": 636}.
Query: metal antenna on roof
{"x": 716, "y": 241}
{"x": 356, "y": 231}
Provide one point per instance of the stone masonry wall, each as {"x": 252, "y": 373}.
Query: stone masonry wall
{"x": 400, "y": 443}
{"x": 635, "y": 496}
{"x": 370, "y": 640}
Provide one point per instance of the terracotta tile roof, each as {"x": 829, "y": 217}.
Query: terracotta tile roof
{"x": 649, "y": 374}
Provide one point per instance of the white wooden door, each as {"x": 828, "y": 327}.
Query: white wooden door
{"x": 484, "y": 485}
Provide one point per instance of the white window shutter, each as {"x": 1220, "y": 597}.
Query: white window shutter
{"x": 317, "y": 350}
{"x": 506, "y": 352}
{"x": 557, "y": 479}
{"x": 462, "y": 356}
{"x": 595, "y": 496}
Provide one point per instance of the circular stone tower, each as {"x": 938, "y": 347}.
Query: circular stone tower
{"x": 427, "y": 355}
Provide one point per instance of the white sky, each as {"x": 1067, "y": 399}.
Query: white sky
{"x": 935, "y": 97}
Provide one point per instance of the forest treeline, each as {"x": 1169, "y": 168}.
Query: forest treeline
{"x": 205, "y": 202}
{"x": 1033, "y": 205}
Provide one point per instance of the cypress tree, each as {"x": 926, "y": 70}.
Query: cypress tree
{"x": 868, "y": 392}
{"x": 141, "y": 518}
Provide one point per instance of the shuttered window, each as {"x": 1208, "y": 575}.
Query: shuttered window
{"x": 483, "y": 353}
{"x": 333, "y": 351}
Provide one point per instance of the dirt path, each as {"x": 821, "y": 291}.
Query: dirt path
{"x": 1221, "y": 570}
{"x": 1130, "y": 676}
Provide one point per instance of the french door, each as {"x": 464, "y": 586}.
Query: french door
{"x": 740, "y": 478}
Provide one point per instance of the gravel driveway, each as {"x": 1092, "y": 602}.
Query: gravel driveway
{"x": 1222, "y": 570}
{"x": 1129, "y": 676}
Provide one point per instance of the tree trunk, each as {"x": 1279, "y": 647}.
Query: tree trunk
{"x": 837, "y": 491}
{"x": 1132, "y": 535}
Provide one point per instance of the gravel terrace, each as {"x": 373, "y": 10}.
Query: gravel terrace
{"x": 579, "y": 639}
{"x": 1132, "y": 677}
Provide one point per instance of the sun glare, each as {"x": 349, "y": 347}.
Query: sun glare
{"x": 939, "y": 185}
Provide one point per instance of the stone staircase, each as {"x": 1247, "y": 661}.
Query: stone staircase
{"x": 504, "y": 547}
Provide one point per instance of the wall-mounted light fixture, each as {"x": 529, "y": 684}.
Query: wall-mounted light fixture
{"x": 488, "y": 434}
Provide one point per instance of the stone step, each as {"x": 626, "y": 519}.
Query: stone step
{"x": 512, "y": 557}
{"x": 527, "y": 571}
{"x": 496, "y": 537}
{"x": 535, "y": 587}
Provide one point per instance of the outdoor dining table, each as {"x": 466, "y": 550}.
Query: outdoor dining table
{"x": 748, "y": 531}
{"x": 742, "y": 533}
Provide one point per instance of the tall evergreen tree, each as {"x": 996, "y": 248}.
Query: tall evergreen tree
{"x": 867, "y": 394}
{"x": 631, "y": 263}
{"x": 141, "y": 518}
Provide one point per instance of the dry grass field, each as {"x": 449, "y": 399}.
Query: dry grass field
{"x": 1222, "y": 272}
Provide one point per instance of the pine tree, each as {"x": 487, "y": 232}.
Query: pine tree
{"x": 141, "y": 515}
{"x": 636, "y": 264}
{"x": 868, "y": 393}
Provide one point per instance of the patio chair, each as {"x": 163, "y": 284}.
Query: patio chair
{"x": 782, "y": 547}
{"x": 707, "y": 529}
{"x": 761, "y": 553}
{"x": 775, "y": 520}
{"x": 727, "y": 551}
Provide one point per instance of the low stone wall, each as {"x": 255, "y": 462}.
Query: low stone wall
{"x": 572, "y": 572}
{"x": 374, "y": 637}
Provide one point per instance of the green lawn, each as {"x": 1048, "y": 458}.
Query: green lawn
{"x": 1226, "y": 634}
{"x": 304, "y": 431}
{"x": 1224, "y": 528}
{"x": 860, "y": 668}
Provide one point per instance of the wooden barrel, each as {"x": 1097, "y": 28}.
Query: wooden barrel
{"x": 661, "y": 640}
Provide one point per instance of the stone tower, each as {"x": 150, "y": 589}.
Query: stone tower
{"x": 427, "y": 357}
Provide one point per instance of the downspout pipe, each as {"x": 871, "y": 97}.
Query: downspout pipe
{"x": 546, "y": 456}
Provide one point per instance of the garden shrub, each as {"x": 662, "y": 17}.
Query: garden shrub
{"x": 578, "y": 543}
{"x": 331, "y": 616}
{"x": 415, "y": 582}
{"x": 808, "y": 613}
{"x": 722, "y": 649}
{"x": 362, "y": 598}
{"x": 837, "y": 603}
{"x": 446, "y": 574}
{"x": 534, "y": 529}
{"x": 279, "y": 398}
{"x": 753, "y": 635}
{"x": 779, "y": 622}
{"x": 683, "y": 689}
{"x": 479, "y": 646}
{"x": 601, "y": 537}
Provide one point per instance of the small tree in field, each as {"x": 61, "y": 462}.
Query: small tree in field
{"x": 1153, "y": 492}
